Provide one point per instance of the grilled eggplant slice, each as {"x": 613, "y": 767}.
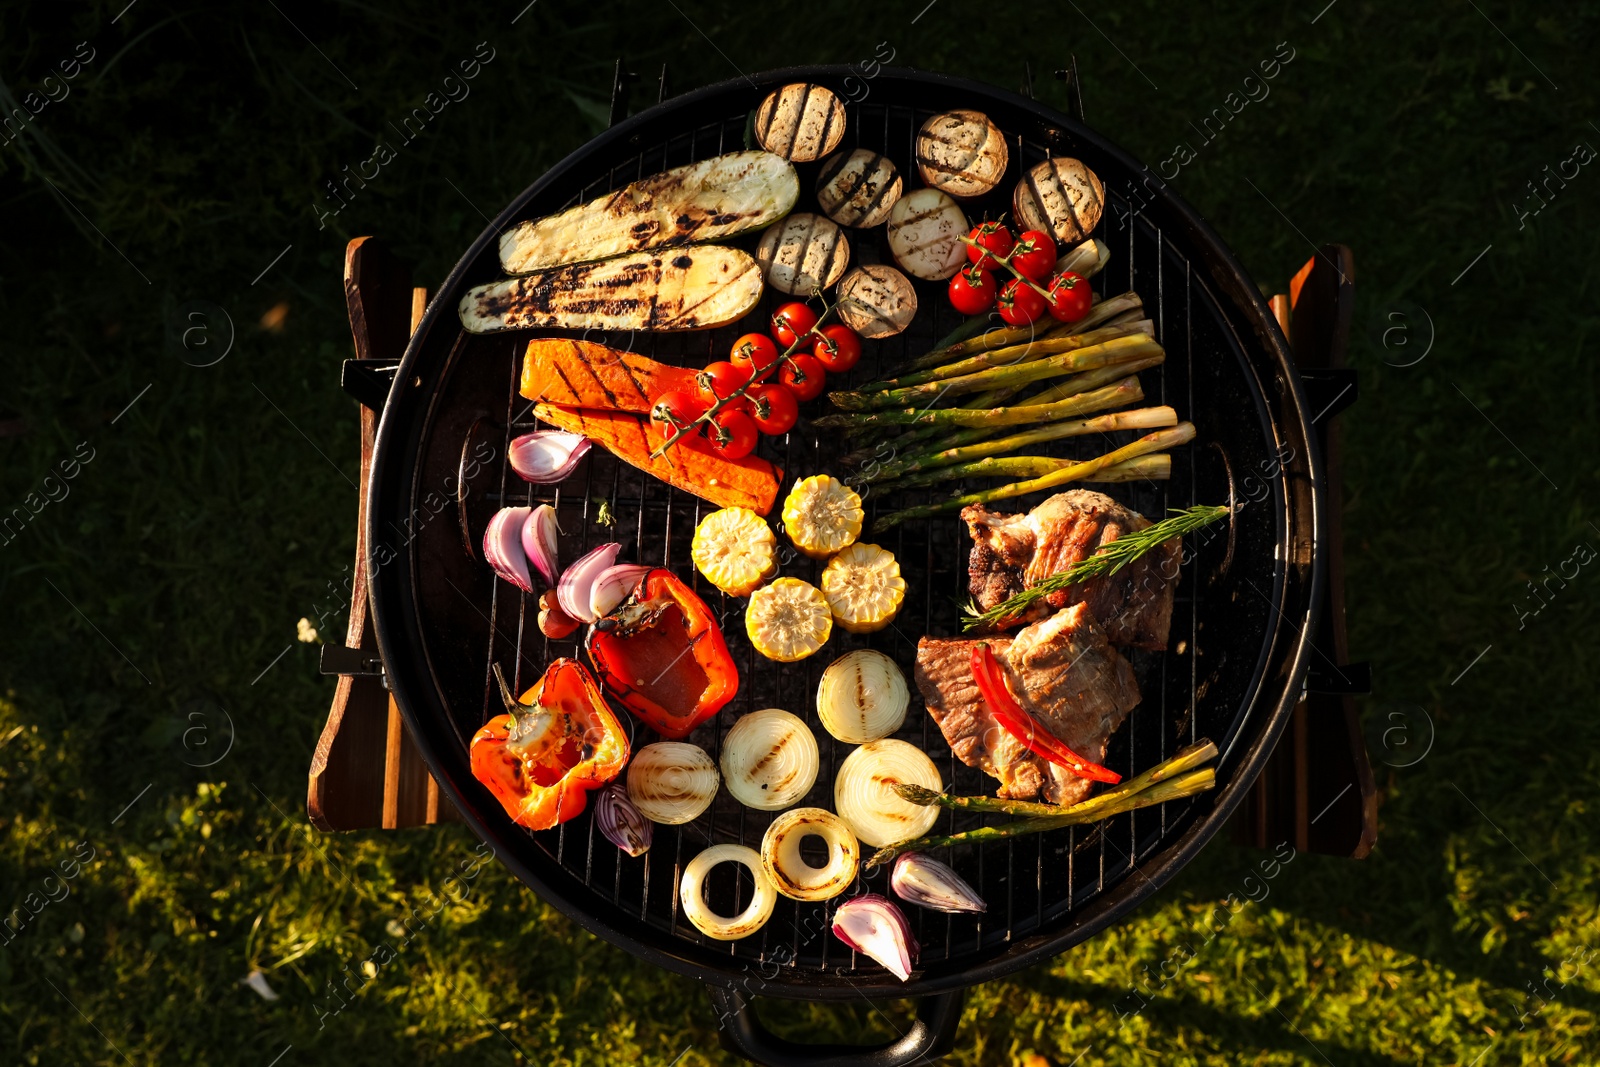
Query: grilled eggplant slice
{"x": 961, "y": 153}
{"x": 876, "y": 301}
{"x": 671, "y": 289}
{"x": 1060, "y": 196}
{"x": 703, "y": 201}
{"x": 803, "y": 252}
{"x": 925, "y": 231}
{"x": 800, "y": 121}
{"x": 858, "y": 188}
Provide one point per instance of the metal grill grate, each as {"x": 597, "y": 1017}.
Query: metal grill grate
{"x": 1029, "y": 883}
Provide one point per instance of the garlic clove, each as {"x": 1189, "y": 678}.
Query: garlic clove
{"x": 546, "y": 455}
{"x": 920, "y": 879}
{"x": 502, "y": 547}
{"x": 873, "y": 926}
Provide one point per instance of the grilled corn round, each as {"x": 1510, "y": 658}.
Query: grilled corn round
{"x": 736, "y": 550}
{"x": 788, "y": 620}
{"x": 863, "y": 588}
{"x": 822, "y": 515}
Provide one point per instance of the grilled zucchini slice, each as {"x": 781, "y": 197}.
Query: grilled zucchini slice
{"x": 703, "y": 201}
{"x": 672, "y": 289}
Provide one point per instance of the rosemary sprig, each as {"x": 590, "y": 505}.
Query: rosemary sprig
{"x": 1111, "y": 558}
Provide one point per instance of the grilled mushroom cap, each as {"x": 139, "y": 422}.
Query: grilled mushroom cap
{"x": 800, "y": 122}
{"x": 1060, "y": 196}
{"x": 803, "y": 252}
{"x": 961, "y": 153}
{"x": 858, "y": 188}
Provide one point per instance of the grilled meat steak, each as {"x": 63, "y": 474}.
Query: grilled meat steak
{"x": 1065, "y": 674}
{"x": 1012, "y": 552}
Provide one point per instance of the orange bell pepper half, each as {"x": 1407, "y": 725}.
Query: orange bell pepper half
{"x": 547, "y": 752}
{"x": 662, "y": 654}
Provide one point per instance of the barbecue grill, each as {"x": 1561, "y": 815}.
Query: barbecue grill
{"x": 1240, "y": 641}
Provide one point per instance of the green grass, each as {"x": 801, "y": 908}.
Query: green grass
{"x": 207, "y": 523}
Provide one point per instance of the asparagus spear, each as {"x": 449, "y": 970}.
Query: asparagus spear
{"x": 1006, "y": 357}
{"x": 1124, "y": 392}
{"x": 1155, "y": 467}
{"x": 1185, "y": 759}
{"x": 1077, "y": 472}
{"x": 1138, "y": 419}
{"x": 1122, "y": 349}
{"x": 1185, "y": 785}
{"x": 983, "y": 342}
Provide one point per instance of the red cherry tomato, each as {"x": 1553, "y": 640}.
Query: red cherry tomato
{"x": 1019, "y": 303}
{"x": 1035, "y": 255}
{"x": 754, "y": 353}
{"x": 838, "y": 348}
{"x": 972, "y": 290}
{"x": 992, "y": 236}
{"x": 773, "y": 408}
{"x": 720, "y": 380}
{"x": 803, "y": 376}
{"x": 793, "y": 321}
{"x": 1070, "y": 298}
{"x": 674, "y": 410}
{"x": 733, "y": 434}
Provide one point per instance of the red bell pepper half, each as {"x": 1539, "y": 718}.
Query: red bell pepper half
{"x": 661, "y": 653}
{"x": 547, "y": 752}
{"x": 1016, "y": 721}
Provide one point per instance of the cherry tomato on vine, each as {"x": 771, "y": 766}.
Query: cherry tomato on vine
{"x": 803, "y": 376}
{"x": 773, "y": 408}
{"x": 792, "y": 322}
{"x": 719, "y": 380}
{"x": 972, "y": 290}
{"x": 1019, "y": 303}
{"x": 674, "y": 410}
{"x": 993, "y": 237}
{"x": 838, "y": 348}
{"x": 754, "y": 353}
{"x": 1070, "y": 298}
{"x": 732, "y": 433}
{"x": 1035, "y": 255}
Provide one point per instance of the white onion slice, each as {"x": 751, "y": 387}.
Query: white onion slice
{"x": 788, "y": 870}
{"x": 575, "y": 593}
{"x": 875, "y": 927}
{"x": 539, "y": 542}
{"x": 546, "y": 455}
{"x": 691, "y": 893}
{"x": 672, "y": 782}
{"x": 502, "y": 546}
{"x": 862, "y": 697}
{"x": 864, "y": 796}
{"x": 613, "y": 587}
{"x": 769, "y": 759}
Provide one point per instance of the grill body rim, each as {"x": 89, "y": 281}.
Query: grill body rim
{"x": 1296, "y": 593}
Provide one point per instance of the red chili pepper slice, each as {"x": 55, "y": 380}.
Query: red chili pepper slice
{"x": 1016, "y": 721}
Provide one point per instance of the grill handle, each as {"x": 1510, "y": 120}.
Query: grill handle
{"x": 930, "y": 1037}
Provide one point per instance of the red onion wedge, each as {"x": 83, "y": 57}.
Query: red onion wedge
{"x": 622, "y": 823}
{"x": 546, "y": 455}
{"x": 921, "y": 879}
{"x": 613, "y": 587}
{"x": 539, "y": 542}
{"x": 502, "y": 546}
{"x": 873, "y": 926}
{"x": 575, "y": 592}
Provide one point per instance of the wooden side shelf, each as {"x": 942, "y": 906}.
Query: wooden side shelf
{"x": 366, "y": 772}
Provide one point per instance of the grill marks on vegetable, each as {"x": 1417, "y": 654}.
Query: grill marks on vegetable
{"x": 1060, "y": 196}
{"x": 800, "y": 122}
{"x": 858, "y": 188}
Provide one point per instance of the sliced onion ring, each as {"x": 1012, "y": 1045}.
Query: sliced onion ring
{"x": 613, "y": 587}
{"x": 691, "y": 893}
{"x": 502, "y": 546}
{"x": 791, "y": 875}
{"x": 864, "y": 796}
{"x": 862, "y": 697}
{"x": 874, "y": 926}
{"x": 672, "y": 782}
{"x": 546, "y": 455}
{"x": 769, "y": 759}
{"x": 539, "y": 542}
{"x": 575, "y": 593}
